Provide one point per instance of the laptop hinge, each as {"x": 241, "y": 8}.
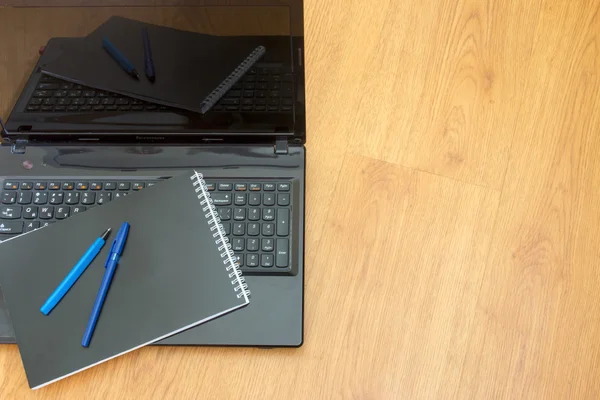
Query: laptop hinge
{"x": 281, "y": 145}
{"x": 19, "y": 146}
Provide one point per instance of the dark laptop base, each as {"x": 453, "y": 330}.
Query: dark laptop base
{"x": 274, "y": 317}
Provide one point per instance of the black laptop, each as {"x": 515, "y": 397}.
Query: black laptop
{"x": 69, "y": 147}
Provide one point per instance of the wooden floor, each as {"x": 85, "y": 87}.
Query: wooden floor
{"x": 453, "y": 215}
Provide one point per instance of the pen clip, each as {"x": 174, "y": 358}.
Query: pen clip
{"x": 110, "y": 253}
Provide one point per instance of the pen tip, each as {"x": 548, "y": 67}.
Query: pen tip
{"x": 106, "y": 233}
{"x": 135, "y": 74}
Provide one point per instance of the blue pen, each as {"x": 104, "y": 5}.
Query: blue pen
{"x": 75, "y": 273}
{"x": 148, "y": 61}
{"x": 120, "y": 58}
{"x": 111, "y": 265}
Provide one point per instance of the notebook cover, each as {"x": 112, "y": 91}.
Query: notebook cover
{"x": 171, "y": 277}
{"x": 189, "y": 66}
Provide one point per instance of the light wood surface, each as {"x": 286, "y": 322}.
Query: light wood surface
{"x": 452, "y": 242}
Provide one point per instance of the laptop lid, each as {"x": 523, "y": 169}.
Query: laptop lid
{"x": 257, "y": 99}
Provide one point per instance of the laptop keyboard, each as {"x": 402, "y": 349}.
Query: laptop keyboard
{"x": 263, "y": 89}
{"x": 256, "y": 215}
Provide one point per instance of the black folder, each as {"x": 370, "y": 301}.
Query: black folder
{"x": 177, "y": 271}
{"x": 193, "y": 70}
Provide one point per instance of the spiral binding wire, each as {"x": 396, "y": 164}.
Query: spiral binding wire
{"x": 222, "y": 241}
{"x": 237, "y": 73}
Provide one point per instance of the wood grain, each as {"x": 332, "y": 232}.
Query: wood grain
{"x": 452, "y": 212}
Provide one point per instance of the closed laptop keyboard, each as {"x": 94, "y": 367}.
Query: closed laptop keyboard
{"x": 256, "y": 215}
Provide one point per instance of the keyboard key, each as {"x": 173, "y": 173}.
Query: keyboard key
{"x": 269, "y": 187}
{"x": 252, "y": 260}
{"x": 138, "y": 185}
{"x": 227, "y": 227}
{"x": 30, "y": 226}
{"x": 268, "y": 214}
{"x": 98, "y": 108}
{"x": 239, "y": 214}
{"x": 267, "y": 245}
{"x": 39, "y": 186}
{"x": 260, "y": 108}
{"x": 49, "y": 101}
{"x": 47, "y": 223}
{"x": 33, "y": 108}
{"x": 238, "y": 244}
{"x": 10, "y": 212}
{"x": 54, "y": 185}
{"x": 254, "y": 199}
{"x": 254, "y": 214}
{"x": 122, "y": 101}
{"x": 240, "y": 187}
{"x": 9, "y": 197}
{"x": 137, "y": 108}
{"x": 150, "y": 184}
{"x": 112, "y": 108}
{"x": 78, "y": 102}
{"x": 283, "y": 221}
{"x": 96, "y": 186}
{"x": 119, "y": 195}
{"x": 225, "y": 186}
{"x": 83, "y": 185}
{"x": 25, "y": 198}
{"x": 240, "y": 199}
{"x": 47, "y": 108}
{"x": 239, "y": 259}
{"x": 60, "y": 93}
{"x": 224, "y": 214}
{"x": 63, "y": 102}
{"x": 283, "y": 187}
{"x": 268, "y": 229}
{"x": 221, "y": 199}
{"x": 68, "y": 186}
{"x": 60, "y": 108}
{"x": 246, "y": 108}
{"x": 30, "y": 212}
{"x": 210, "y": 187}
{"x": 93, "y": 102}
{"x": 26, "y": 185}
{"x": 266, "y": 260}
{"x": 108, "y": 101}
{"x": 103, "y": 197}
{"x": 124, "y": 185}
{"x": 46, "y": 212}
{"x": 88, "y": 198}
{"x": 77, "y": 210}
{"x": 89, "y": 93}
{"x": 62, "y": 212}
{"x": 110, "y": 186}
{"x": 239, "y": 228}
{"x": 47, "y": 86}
{"x": 40, "y": 198}
{"x": 255, "y": 187}
{"x": 11, "y": 185}
{"x": 252, "y": 244}
{"x": 74, "y": 93}
{"x": 282, "y": 253}
{"x": 253, "y": 229}
{"x": 72, "y": 198}
{"x": 283, "y": 199}
{"x": 35, "y": 101}
{"x": 66, "y": 86}
{"x": 42, "y": 93}
{"x": 269, "y": 199}
{"x": 11, "y": 227}
{"x": 56, "y": 198}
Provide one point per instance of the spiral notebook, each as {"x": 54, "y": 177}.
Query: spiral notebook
{"x": 177, "y": 271}
{"x": 193, "y": 70}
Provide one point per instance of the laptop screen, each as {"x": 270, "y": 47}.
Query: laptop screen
{"x": 210, "y": 68}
